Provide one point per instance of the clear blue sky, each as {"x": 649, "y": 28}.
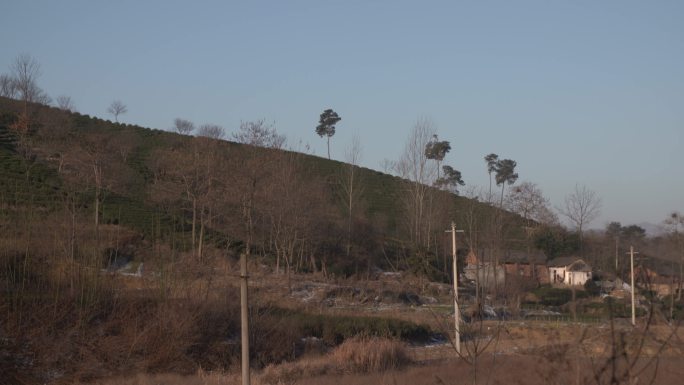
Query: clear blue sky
{"x": 588, "y": 92}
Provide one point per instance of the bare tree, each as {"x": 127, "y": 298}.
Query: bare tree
{"x": 22, "y": 84}
{"x": 289, "y": 204}
{"x": 183, "y": 127}
{"x": 117, "y": 108}
{"x": 350, "y": 184}
{"x": 26, "y": 71}
{"x": 582, "y": 206}
{"x": 8, "y": 86}
{"x": 259, "y": 133}
{"x": 528, "y": 201}
{"x": 415, "y": 166}
{"x": 388, "y": 166}
{"x": 212, "y": 131}
{"x": 65, "y": 103}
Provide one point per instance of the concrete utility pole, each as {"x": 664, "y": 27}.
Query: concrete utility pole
{"x": 457, "y": 313}
{"x": 631, "y": 262}
{"x": 616, "y": 255}
{"x": 244, "y": 319}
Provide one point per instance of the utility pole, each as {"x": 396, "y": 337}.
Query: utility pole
{"x": 631, "y": 263}
{"x": 244, "y": 318}
{"x": 616, "y": 255}
{"x": 457, "y": 313}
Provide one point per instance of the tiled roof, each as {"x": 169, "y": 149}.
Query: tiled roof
{"x": 573, "y": 263}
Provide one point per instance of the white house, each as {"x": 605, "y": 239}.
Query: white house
{"x": 569, "y": 271}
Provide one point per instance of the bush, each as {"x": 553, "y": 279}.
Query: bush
{"x": 591, "y": 288}
{"x": 551, "y": 296}
{"x": 366, "y": 355}
{"x": 335, "y": 329}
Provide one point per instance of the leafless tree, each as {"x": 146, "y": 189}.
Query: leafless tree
{"x": 26, "y": 71}
{"x": 350, "y": 186}
{"x": 211, "y": 131}
{"x": 117, "y": 108}
{"x": 124, "y": 143}
{"x": 183, "y": 127}
{"x": 197, "y": 166}
{"x": 388, "y": 166}
{"x": 528, "y": 201}
{"x": 288, "y": 207}
{"x": 65, "y": 103}
{"x": 582, "y": 206}
{"x": 259, "y": 133}
{"x": 420, "y": 172}
{"x": 8, "y": 86}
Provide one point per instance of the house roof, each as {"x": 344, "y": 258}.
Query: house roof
{"x": 571, "y": 263}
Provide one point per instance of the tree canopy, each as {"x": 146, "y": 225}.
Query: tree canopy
{"x": 436, "y": 149}
{"x": 326, "y": 125}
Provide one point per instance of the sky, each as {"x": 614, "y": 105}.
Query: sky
{"x": 578, "y": 92}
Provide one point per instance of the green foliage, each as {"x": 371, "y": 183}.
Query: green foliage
{"x": 131, "y": 191}
{"x": 556, "y": 241}
{"x": 613, "y": 229}
{"x": 491, "y": 161}
{"x": 612, "y": 307}
{"x": 451, "y": 179}
{"x": 677, "y": 306}
{"x": 335, "y": 329}
{"x": 505, "y": 171}
{"x": 24, "y": 181}
{"x": 326, "y": 125}
{"x": 592, "y": 288}
{"x": 551, "y": 296}
{"x": 327, "y": 122}
{"x": 437, "y": 150}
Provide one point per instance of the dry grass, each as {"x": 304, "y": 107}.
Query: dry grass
{"x": 365, "y": 355}
{"x": 355, "y": 356}
{"x": 509, "y": 370}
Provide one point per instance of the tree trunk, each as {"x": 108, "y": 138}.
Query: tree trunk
{"x": 194, "y": 222}
{"x": 244, "y": 319}
{"x": 201, "y": 237}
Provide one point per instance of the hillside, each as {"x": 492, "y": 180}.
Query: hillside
{"x": 119, "y": 246}
{"x": 156, "y": 182}
{"x": 82, "y": 198}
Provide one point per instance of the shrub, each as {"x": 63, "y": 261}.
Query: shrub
{"x": 591, "y": 288}
{"x": 365, "y": 355}
{"x": 551, "y": 296}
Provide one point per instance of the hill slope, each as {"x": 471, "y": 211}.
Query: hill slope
{"x": 197, "y": 192}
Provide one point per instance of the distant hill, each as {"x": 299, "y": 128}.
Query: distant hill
{"x": 652, "y": 230}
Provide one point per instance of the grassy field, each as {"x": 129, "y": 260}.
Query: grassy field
{"x": 523, "y": 354}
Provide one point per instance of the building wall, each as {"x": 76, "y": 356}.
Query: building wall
{"x": 487, "y": 274}
{"x": 543, "y": 274}
{"x": 562, "y": 276}
{"x": 525, "y": 270}
{"x": 578, "y": 277}
{"x": 557, "y": 275}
